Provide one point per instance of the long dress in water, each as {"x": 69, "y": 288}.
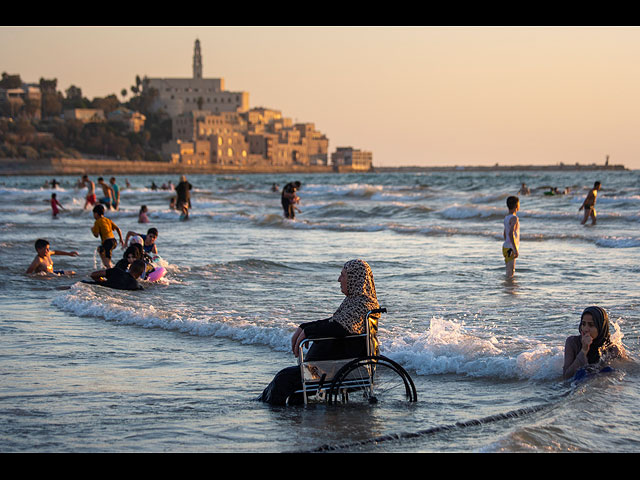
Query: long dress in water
{"x": 349, "y": 319}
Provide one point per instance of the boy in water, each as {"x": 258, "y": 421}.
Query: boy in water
{"x": 589, "y": 205}
{"x": 511, "y": 235}
{"x": 120, "y": 279}
{"x": 91, "y": 191}
{"x": 107, "y": 191}
{"x": 104, "y": 227}
{"x": 116, "y": 193}
{"x": 149, "y": 240}
{"x": 43, "y": 263}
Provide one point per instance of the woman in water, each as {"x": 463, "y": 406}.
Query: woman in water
{"x": 356, "y": 282}
{"x": 592, "y": 345}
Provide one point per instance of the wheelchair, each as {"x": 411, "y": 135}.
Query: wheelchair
{"x": 368, "y": 379}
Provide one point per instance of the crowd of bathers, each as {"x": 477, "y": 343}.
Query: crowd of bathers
{"x": 140, "y": 248}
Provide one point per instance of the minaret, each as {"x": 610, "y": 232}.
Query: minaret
{"x": 197, "y": 61}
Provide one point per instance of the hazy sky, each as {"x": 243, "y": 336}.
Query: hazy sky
{"x": 412, "y": 95}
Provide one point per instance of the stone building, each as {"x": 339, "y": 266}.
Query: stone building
{"x": 85, "y": 115}
{"x": 238, "y": 136}
{"x": 26, "y": 99}
{"x": 134, "y": 120}
{"x": 353, "y": 159}
{"x": 180, "y": 95}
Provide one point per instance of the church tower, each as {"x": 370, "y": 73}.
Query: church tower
{"x": 197, "y": 61}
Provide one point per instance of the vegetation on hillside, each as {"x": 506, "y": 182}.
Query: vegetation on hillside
{"x": 23, "y": 135}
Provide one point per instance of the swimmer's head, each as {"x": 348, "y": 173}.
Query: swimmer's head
{"x": 134, "y": 250}
{"x": 136, "y": 239}
{"x": 99, "y": 210}
{"x": 137, "y": 268}
{"x": 512, "y": 202}
{"x": 41, "y": 244}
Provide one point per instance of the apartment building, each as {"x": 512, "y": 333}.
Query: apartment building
{"x": 202, "y": 111}
{"x": 351, "y": 158}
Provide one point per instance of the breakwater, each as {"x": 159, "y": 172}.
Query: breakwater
{"x": 76, "y": 166}
{"x": 93, "y": 166}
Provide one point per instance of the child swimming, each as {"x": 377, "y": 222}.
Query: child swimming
{"x": 42, "y": 263}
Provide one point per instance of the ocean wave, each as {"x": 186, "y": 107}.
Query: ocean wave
{"x": 126, "y": 308}
{"x": 457, "y": 212}
{"x": 618, "y": 242}
{"x": 446, "y": 348}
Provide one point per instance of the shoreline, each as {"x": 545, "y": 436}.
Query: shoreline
{"x": 74, "y": 166}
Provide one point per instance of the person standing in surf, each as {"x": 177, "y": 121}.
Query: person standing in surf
{"x": 289, "y": 199}
{"x": 511, "y": 236}
{"x": 589, "y": 205}
{"x": 183, "y": 192}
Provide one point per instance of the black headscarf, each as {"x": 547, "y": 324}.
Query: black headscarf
{"x": 601, "y": 320}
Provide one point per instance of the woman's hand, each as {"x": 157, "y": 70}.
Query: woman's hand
{"x": 586, "y": 342}
{"x": 298, "y": 336}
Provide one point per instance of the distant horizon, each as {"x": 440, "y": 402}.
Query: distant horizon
{"x": 414, "y": 96}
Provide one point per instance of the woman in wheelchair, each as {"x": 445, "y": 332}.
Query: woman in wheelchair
{"x": 356, "y": 282}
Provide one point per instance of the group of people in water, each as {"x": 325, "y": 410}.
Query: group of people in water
{"x": 110, "y": 197}
{"x": 588, "y": 351}
{"x": 136, "y": 262}
{"x": 511, "y": 231}
{"x": 591, "y": 351}
{"x": 584, "y": 353}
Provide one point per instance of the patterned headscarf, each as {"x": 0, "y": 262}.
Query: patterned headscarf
{"x": 361, "y": 298}
{"x": 601, "y": 320}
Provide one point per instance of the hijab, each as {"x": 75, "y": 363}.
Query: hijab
{"x": 361, "y": 298}
{"x": 601, "y": 320}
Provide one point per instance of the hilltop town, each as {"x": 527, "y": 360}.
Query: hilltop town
{"x": 182, "y": 124}
{"x": 173, "y": 125}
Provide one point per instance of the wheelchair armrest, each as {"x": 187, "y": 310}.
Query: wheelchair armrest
{"x": 306, "y": 341}
{"x": 320, "y": 339}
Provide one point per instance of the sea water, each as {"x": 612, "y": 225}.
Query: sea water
{"x": 177, "y": 367}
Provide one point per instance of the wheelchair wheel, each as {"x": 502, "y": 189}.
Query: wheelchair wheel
{"x": 371, "y": 380}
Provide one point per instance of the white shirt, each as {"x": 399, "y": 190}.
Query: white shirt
{"x": 516, "y": 232}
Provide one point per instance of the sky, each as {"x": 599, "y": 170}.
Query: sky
{"x": 414, "y": 96}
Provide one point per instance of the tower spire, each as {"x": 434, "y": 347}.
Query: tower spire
{"x": 197, "y": 60}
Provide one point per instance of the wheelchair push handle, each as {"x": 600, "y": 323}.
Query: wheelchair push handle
{"x": 377, "y": 310}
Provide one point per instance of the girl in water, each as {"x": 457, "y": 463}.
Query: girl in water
{"x": 592, "y": 346}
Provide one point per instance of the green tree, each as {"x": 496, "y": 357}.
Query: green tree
{"x": 74, "y": 98}
{"x": 10, "y": 81}
{"x": 107, "y": 104}
{"x": 51, "y": 98}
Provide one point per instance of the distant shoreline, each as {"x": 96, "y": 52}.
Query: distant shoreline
{"x": 492, "y": 168}
{"x": 69, "y": 166}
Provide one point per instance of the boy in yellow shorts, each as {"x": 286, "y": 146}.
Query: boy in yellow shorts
{"x": 511, "y": 236}
{"x": 104, "y": 227}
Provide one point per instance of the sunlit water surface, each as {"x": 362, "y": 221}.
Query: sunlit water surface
{"x": 177, "y": 366}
